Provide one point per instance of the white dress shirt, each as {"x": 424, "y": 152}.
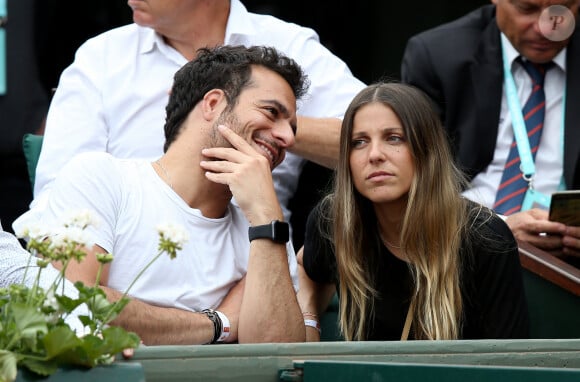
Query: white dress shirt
{"x": 112, "y": 98}
{"x": 550, "y": 157}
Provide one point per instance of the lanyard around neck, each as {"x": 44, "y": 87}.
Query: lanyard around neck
{"x": 518, "y": 124}
{"x": 528, "y": 167}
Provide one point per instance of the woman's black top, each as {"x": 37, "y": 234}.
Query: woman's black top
{"x": 491, "y": 281}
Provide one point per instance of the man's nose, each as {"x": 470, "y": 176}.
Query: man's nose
{"x": 284, "y": 134}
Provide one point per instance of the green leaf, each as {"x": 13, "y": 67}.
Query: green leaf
{"x": 114, "y": 310}
{"x": 88, "y": 321}
{"x": 94, "y": 347}
{"x": 28, "y": 320}
{"x": 77, "y": 356}
{"x": 118, "y": 339}
{"x": 4, "y": 298}
{"x": 100, "y": 304}
{"x": 95, "y": 298}
{"x": 44, "y": 368}
{"x": 60, "y": 340}
{"x": 85, "y": 354}
{"x": 8, "y": 362}
{"x": 80, "y": 286}
{"x": 67, "y": 304}
{"x": 85, "y": 292}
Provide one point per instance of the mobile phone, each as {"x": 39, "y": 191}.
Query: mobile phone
{"x": 565, "y": 207}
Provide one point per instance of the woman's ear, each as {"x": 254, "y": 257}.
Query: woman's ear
{"x": 213, "y": 103}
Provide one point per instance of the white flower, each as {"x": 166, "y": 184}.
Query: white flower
{"x": 34, "y": 231}
{"x": 72, "y": 234}
{"x": 174, "y": 233}
{"x": 80, "y": 219}
{"x": 51, "y": 302}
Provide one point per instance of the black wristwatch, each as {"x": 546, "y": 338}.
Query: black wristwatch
{"x": 277, "y": 231}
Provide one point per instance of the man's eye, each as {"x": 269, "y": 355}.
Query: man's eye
{"x": 525, "y": 8}
{"x": 272, "y": 110}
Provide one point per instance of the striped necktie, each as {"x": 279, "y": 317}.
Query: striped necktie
{"x": 513, "y": 186}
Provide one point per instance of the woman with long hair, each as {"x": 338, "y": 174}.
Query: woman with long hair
{"x": 408, "y": 256}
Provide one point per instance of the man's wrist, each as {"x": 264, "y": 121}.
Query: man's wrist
{"x": 221, "y": 325}
{"x": 311, "y": 320}
{"x": 226, "y": 327}
{"x": 277, "y": 231}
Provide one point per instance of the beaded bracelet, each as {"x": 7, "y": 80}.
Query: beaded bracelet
{"x": 310, "y": 314}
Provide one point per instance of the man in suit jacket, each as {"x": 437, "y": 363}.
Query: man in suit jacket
{"x": 459, "y": 65}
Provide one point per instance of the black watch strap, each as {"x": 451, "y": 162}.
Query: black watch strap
{"x": 277, "y": 231}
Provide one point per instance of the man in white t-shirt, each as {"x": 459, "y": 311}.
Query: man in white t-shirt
{"x": 230, "y": 118}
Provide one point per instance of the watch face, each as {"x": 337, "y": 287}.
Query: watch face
{"x": 277, "y": 231}
{"x": 281, "y": 231}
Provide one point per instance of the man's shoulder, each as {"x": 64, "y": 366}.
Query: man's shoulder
{"x": 473, "y": 23}
{"x": 93, "y": 157}
{"x": 270, "y": 30}
{"x": 123, "y": 37}
{"x": 118, "y": 32}
{"x": 93, "y": 164}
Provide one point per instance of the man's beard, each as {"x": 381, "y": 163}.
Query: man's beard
{"x": 229, "y": 119}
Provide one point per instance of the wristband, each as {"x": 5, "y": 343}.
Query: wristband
{"x": 217, "y": 324}
{"x": 225, "y": 332}
{"x": 313, "y": 324}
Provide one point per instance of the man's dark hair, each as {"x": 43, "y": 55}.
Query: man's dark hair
{"x": 228, "y": 68}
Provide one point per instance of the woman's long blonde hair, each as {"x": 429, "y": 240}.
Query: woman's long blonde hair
{"x": 432, "y": 228}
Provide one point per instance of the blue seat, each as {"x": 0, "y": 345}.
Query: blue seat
{"x": 31, "y": 145}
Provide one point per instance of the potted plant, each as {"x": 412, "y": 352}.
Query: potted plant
{"x": 41, "y": 329}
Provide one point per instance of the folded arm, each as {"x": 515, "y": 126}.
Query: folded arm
{"x": 157, "y": 325}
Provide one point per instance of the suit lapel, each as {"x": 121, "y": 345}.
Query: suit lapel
{"x": 487, "y": 82}
{"x": 572, "y": 118}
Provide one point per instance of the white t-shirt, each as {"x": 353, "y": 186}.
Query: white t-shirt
{"x": 130, "y": 200}
{"x": 113, "y": 96}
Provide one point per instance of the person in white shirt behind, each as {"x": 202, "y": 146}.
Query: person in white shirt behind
{"x": 112, "y": 98}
